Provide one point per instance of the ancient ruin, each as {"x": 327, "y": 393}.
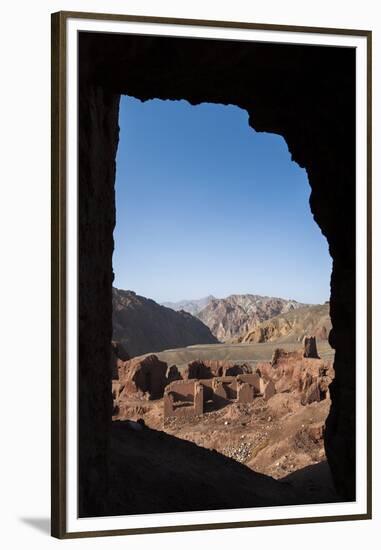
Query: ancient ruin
{"x": 310, "y": 349}
{"x": 142, "y": 377}
{"x": 183, "y": 398}
{"x": 309, "y": 377}
{"x": 204, "y": 386}
{"x": 190, "y": 397}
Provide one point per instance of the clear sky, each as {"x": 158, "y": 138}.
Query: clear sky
{"x": 205, "y": 205}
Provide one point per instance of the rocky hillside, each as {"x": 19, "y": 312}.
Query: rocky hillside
{"x": 236, "y": 315}
{"x": 142, "y": 326}
{"x": 279, "y": 435}
{"x": 191, "y": 306}
{"x": 292, "y": 326}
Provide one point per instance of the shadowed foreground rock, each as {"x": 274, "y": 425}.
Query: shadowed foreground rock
{"x": 153, "y": 472}
{"x": 118, "y": 356}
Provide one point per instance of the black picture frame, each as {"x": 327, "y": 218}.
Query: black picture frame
{"x": 59, "y": 263}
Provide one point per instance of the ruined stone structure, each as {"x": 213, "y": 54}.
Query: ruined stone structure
{"x": 187, "y": 398}
{"x": 173, "y": 374}
{"x": 305, "y": 94}
{"x": 183, "y": 398}
{"x": 310, "y": 349}
{"x": 143, "y": 377}
{"x": 211, "y": 368}
{"x": 310, "y": 377}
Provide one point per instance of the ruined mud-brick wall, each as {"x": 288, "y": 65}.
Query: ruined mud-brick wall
{"x": 183, "y": 391}
{"x": 304, "y": 93}
{"x": 243, "y": 388}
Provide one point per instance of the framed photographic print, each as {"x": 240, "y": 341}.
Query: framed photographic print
{"x": 211, "y": 301}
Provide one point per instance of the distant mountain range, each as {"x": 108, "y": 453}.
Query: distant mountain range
{"x": 234, "y": 316}
{"x": 141, "y": 325}
{"x": 191, "y": 306}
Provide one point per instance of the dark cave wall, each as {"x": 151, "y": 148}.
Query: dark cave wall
{"x": 98, "y": 139}
{"x": 304, "y": 93}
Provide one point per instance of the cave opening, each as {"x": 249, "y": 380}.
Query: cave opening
{"x": 213, "y": 225}
{"x": 286, "y": 90}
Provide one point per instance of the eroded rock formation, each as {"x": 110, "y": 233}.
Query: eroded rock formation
{"x": 143, "y": 377}
{"x": 293, "y": 372}
{"x": 292, "y": 326}
{"x": 234, "y": 316}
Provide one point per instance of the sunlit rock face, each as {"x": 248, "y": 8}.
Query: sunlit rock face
{"x": 293, "y": 325}
{"x": 233, "y": 317}
{"x": 304, "y": 93}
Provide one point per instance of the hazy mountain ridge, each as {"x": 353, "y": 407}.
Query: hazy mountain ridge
{"x": 141, "y": 325}
{"x": 191, "y": 306}
{"x": 234, "y": 316}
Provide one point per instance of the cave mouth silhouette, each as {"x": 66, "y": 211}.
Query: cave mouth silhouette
{"x": 304, "y": 93}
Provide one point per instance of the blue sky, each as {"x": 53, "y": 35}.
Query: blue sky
{"x": 205, "y": 205}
